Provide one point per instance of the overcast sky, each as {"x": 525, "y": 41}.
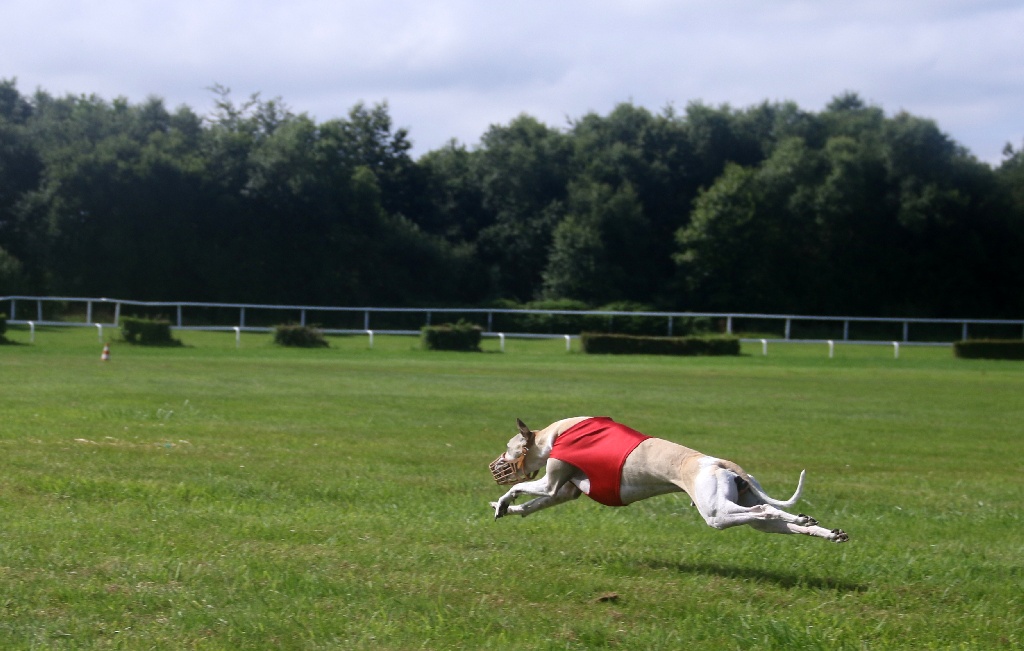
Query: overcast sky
{"x": 450, "y": 68}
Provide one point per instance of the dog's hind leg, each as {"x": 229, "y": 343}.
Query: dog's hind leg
{"x": 717, "y": 497}
{"x": 769, "y": 519}
{"x": 778, "y": 526}
{"x": 727, "y": 514}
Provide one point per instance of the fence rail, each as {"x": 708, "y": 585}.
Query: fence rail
{"x": 238, "y": 317}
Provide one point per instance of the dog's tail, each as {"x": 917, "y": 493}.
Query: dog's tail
{"x": 756, "y": 489}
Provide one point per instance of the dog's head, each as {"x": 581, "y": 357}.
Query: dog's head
{"x": 510, "y": 467}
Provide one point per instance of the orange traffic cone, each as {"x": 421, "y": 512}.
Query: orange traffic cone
{"x": 106, "y": 352}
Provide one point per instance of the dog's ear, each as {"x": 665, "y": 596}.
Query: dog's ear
{"x": 525, "y": 431}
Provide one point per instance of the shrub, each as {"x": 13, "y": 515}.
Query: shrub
{"x": 654, "y": 326}
{"x": 3, "y": 328}
{"x": 147, "y": 332}
{"x": 572, "y": 323}
{"x": 631, "y": 325}
{"x": 299, "y": 336}
{"x": 546, "y": 323}
{"x": 598, "y": 343}
{"x": 459, "y": 336}
{"x": 990, "y": 349}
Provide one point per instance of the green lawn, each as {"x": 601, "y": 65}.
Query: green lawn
{"x": 208, "y": 497}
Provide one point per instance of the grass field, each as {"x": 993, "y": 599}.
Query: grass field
{"x": 208, "y": 497}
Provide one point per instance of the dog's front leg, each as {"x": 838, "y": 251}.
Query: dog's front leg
{"x": 567, "y": 493}
{"x": 535, "y": 487}
{"x": 556, "y": 475}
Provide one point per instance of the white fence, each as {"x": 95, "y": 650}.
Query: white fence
{"x": 238, "y": 317}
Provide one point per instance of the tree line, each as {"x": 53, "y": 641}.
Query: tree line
{"x": 846, "y": 211}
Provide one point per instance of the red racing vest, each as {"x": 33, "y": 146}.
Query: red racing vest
{"x": 598, "y": 447}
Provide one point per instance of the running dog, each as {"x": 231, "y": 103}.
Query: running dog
{"x": 616, "y": 466}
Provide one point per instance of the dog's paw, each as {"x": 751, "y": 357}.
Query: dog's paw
{"x": 500, "y": 509}
{"x": 840, "y": 536}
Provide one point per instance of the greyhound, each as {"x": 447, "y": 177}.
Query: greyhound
{"x": 634, "y": 468}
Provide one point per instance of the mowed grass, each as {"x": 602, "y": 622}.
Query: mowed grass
{"x": 208, "y": 497}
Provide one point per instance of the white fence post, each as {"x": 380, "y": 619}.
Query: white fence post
{"x": 238, "y": 337}
{"x": 789, "y": 327}
{"x": 31, "y": 332}
{"x": 370, "y": 332}
{"x": 895, "y": 350}
{"x": 99, "y": 326}
{"x": 568, "y": 343}
{"x": 764, "y": 347}
{"x": 501, "y": 338}
{"x": 831, "y": 349}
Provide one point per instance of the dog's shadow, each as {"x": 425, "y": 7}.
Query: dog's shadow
{"x": 783, "y": 579}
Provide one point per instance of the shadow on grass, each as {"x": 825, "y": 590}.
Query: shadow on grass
{"x": 783, "y": 579}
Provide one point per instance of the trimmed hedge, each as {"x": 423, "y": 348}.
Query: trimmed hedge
{"x": 990, "y": 349}
{"x": 147, "y": 332}
{"x": 299, "y": 336}
{"x": 461, "y": 336}
{"x": 606, "y": 344}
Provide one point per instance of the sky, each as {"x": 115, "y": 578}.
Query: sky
{"x": 449, "y": 69}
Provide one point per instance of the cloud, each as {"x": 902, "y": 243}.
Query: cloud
{"x": 450, "y": 68}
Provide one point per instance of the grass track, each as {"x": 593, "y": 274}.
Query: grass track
{"x": 210, "y": 497}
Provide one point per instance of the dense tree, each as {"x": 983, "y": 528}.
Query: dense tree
{"x": 599, "y": 252}
{"x": 768, "y": 208}
{"x": 641, "y": 164}
{"x": 522, "y": 170}
{"x": 20, "y": 171}
{"x": 454, "y": 200}
{"x": 898, "y": 220}
{"x": 750, "y": 243}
